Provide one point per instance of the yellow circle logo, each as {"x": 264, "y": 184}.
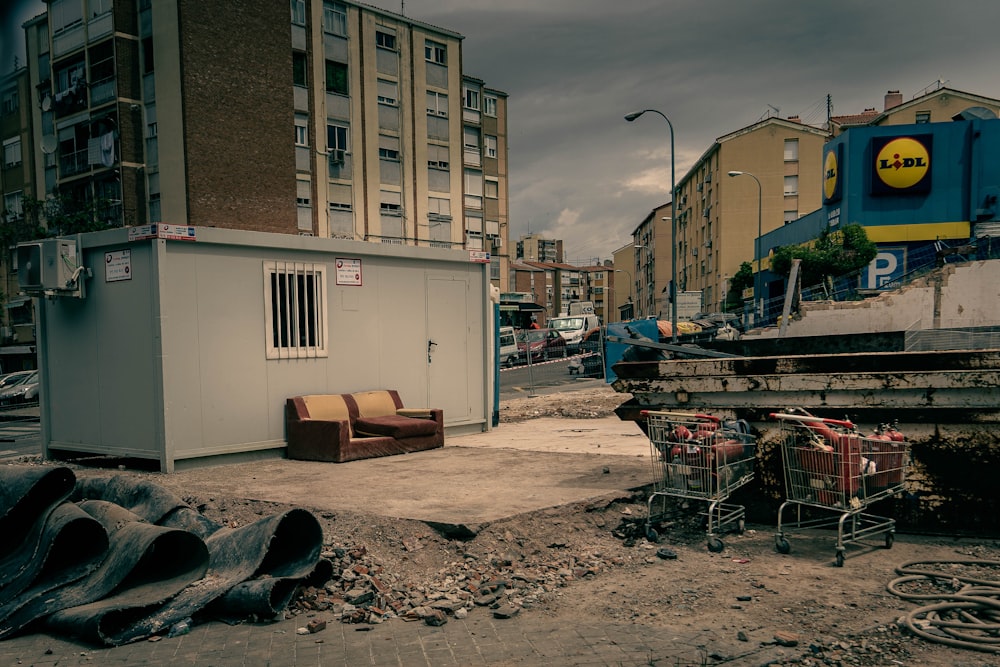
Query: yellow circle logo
{"x": 830, "y": 174}
{"x": 902, "y": 163}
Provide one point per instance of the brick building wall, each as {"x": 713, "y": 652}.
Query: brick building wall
{"x": 239, "y": 139}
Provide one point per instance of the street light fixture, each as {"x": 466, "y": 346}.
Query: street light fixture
{"x": 673, "y": 223}
{"x": 757, "y": 295}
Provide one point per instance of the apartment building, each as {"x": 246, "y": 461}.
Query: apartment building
{"x": 317, "y": 117}
{"x": 719, "y": 218}
{"x": 17, "y": 335}
{"x": 934, "y": 104}
{"x": 536, "y": 248}
{"x": 485, "y": 173}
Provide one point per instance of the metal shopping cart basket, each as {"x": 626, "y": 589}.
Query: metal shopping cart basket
{"x": 830, "y": 466}
{"x": 699, "y": 457}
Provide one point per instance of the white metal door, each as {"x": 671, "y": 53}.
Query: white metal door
{"x": 448, "y": 347}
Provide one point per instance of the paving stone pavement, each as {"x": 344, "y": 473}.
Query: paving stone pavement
{"x": 530, "y": 638}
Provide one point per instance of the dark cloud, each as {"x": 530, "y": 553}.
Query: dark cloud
{"x": 13, "y": 13}
{"x": 573, "y": 68}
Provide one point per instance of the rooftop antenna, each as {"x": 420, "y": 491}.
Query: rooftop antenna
{"x": 767, "y": 114}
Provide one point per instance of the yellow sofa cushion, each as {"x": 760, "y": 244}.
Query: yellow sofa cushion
{"x": 374, "y": 403}
{"x": 328, "y": 407}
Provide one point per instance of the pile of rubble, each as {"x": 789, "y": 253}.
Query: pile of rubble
{"x": 363, "y": 591}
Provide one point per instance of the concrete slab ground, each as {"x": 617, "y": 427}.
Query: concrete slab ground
{"x": 473, "y": 480}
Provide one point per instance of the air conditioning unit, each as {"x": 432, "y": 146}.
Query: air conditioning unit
{"x": 700, "y": 187}
{"x": 708, "y": 243}
{"x": 337, "y": 156}
{"x": 50, "y": 267}
{"x": 708, "y": 178}
{"x": 694, "y": 252}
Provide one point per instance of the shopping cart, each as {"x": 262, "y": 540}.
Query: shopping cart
{"x": 699, "y": 457}
{"x": 830, "y": 466}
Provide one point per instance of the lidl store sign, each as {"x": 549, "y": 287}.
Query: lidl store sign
{"x": 902, "y": 165}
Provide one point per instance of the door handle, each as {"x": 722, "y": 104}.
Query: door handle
{"x": 430, "y": 348}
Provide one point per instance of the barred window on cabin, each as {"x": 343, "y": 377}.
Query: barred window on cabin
{"x": 295, "y": 302}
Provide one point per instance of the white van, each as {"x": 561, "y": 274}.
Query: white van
{"x": 508, "y": 347}
{"x": 573, "y": 327}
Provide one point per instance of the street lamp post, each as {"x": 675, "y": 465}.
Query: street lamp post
{"x": 673, "y": 223}
{"x": 757, "y": 295}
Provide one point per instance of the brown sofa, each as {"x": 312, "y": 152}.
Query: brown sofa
{"x": 362, "y": 425}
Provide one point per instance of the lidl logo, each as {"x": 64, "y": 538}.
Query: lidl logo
{"x": 902, "y": 163}
{"x": 831, "y": 175}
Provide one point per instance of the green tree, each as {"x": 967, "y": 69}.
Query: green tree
{"x": 833, "y": 254}
{"x": 741, "y": 280}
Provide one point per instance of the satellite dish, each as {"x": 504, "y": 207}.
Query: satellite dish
{"x": 49, "y": 144}
{"x": 46, "y": 103}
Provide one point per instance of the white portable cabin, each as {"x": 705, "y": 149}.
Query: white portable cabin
{"x": 181, "y": 344}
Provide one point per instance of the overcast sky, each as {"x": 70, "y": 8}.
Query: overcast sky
{"x": 574, "y": 68}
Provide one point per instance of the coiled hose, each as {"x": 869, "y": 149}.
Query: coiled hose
{"x": 968, "y": 616}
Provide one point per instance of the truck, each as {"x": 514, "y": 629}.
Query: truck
{"x": 573, "y": 328}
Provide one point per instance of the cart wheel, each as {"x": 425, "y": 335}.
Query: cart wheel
{"x": 782, "y": 545}
{"x": 715, "y": 545}
{"x": 889, "y": 539}
{"x": 741, "y": 527}
{"x": 652, "y": 535}
{"x": 840, "y": 559}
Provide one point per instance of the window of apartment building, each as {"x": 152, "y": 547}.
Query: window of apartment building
{"x": 473, "y": 181}
{"x": 388, "y": 92}
{"x": 470, "y": 138}
{"x": 437, "y": 104}
{"x": 440, "y": 230}
{"x": 922, "y": 117}
{"x": 295, "y": 300}
{"x": 388, "y": 148}
{"x": 791, "y": 150}
{"x": 791, "y": 185}
{"x": 490, "y": 143}
{"x": 12, "y": 152}
{"x": 298, "y": 12}
{"x": 13, "y": 204}
{"x": 301, "y": 130}
{"x": 147, "y": 55}
{"x": 490, "y": 105}
{"x": 473, "y": 240}
{"x": 390, "y": 202}
{"x": 385, "y": 40}
{"x": 335, "y": 18}
{"x": 471, "y": 98}
{"x": 64, "y": 14}
{"x": 299, "y": 71}
{"x": 341, "y": 211}
{"x": 391, "y": 216}
{"x": 336, "y": 77}
{"x": 67, "y": 77}
{"x": 336, "y": 137}
{"x": 98, "y": 7}
{"x": 303, "y": 203}
{"x": 491, "y": 188}
{"x": 439, "y": 207}
{"x": 9, "y": 101}
{"x": 790, "y": 216}
{"x": 435, "y": 52}
{"x": 437, "y": 157}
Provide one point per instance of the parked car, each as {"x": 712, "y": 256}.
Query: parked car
{"x": 544, "y": 344}
{"x": 11, "y": 379}
{"x": 24, "y": 390}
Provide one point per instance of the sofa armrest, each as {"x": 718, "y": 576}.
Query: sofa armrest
{"x": 421, "y": 413}
{"x": 317, "y": 440}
